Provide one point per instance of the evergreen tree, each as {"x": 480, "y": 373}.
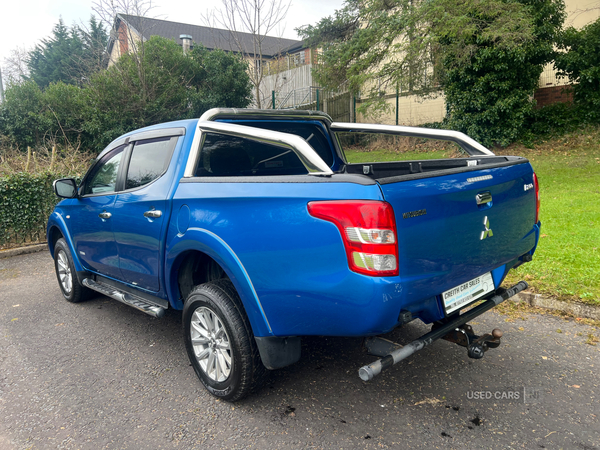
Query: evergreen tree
{"x": 95, "y": 40}
{"x": 70, "y": 55}
{"x": 56, "y": 58}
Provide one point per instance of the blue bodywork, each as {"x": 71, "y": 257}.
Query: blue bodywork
{"x": 289, "y": 268}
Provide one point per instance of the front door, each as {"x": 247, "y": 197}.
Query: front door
{"x": 90, "y": 217}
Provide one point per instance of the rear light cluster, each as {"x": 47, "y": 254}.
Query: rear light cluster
{"x": 537, "y": 197}
{"x": 368, "y": 229}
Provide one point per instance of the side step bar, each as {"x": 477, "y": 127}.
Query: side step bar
{"x": 366, "y": 373}
{"x": 125, "y": 297}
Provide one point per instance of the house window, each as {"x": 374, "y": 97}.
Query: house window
{"x": 299, "y": 58}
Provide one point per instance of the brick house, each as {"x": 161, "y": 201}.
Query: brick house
{"x": 128, "y": 29}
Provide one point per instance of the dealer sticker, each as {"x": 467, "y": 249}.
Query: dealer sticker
{"x": 468, "y": 292}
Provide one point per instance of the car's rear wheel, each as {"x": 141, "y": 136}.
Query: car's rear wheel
{"x": 220, "y": 343}
{"x": 67, "y": 275}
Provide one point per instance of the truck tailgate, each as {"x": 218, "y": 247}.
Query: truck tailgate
{"x": 442, "y": 230}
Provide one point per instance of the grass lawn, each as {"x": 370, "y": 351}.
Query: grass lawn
{"x": 567, "y": 261}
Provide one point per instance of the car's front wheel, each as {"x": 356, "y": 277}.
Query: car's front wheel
{"x": 219, "y": 341}
{"x": 66, "y": 274}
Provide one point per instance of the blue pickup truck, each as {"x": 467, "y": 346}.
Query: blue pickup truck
{"x": 254, "y": 224}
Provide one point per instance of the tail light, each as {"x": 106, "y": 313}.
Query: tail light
{"x": 368, "y": 229}
{"x": 537, "y": 197}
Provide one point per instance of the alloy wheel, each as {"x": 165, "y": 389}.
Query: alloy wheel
{"x": 211, "y": 344}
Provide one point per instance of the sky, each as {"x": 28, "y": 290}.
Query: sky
{"x": 23, "y": 23}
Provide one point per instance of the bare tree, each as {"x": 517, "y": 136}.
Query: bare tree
{"x": 94, "y": 36}
{"x": 108, "y": 10}
{"x": 572, "y": 16}
{"x": 14, "y": 69}
{"x": 137, "y": 10}
{"x": 258, "y": 18}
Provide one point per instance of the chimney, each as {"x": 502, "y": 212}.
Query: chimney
{"x": 187, "y": 42}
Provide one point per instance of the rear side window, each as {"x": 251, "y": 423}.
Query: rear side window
{"x": 149, "y": 160}
{"x": 228, "y": 156}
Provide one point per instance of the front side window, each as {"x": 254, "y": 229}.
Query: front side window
{"x": 103, "y": 178}
{"x": 149, "y": 160}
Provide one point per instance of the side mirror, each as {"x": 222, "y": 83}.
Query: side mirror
{"x": 65, "y": 188}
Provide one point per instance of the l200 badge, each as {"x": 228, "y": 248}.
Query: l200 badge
{"x": 411, "y": 214}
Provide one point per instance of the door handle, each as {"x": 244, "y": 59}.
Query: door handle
{"x": 105, "y": 215}
{"x": 153, "y": 214}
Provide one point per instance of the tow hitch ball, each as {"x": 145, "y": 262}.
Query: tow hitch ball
{"x": 476, "y": 345}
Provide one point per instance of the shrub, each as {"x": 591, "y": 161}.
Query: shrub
{"x": 21, "y": 117}
{"x": 26, "y": 201}
{"x": 550, "y": 121}
{"x": 581, "y": 64}
{"x": 26, "y": 194}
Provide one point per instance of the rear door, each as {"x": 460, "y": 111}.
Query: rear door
{"x": 140, "y": 211}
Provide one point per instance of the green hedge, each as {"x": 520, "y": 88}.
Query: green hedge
{"x": 26, "y": 201}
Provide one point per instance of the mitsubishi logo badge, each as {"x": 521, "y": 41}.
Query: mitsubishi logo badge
{"x": 488, "y": 231}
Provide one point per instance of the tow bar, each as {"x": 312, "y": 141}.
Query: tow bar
{"x": 452, "y": 331}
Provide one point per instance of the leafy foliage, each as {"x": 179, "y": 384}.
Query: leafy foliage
{"x": 26, "y": 201}
{"x": 581, "y": 64}
{"x": 486, "y": 55}
{"x": 158, "y": 85}
{"x": 401, "y": 42}
{"x": 162, "y": 85}
{"x": 20, "y": 116}
{"x": 30, "y": 116}
{"x": 551, "y": 121}
{"x": 490, "y": 98}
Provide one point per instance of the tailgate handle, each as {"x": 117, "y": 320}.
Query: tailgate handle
{"x": 483, "y": 198}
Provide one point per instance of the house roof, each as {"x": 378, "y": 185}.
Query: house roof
{"x": 211, "y": 38}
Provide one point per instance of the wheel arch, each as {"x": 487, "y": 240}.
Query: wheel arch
{"x": 197, "y": 244}
{"x": 57, "y": 229}
{"x": 54, "y": 234}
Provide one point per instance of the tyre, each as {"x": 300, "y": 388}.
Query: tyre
{"x": 219, "y": 341}
{"x": 67, "y": 275}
